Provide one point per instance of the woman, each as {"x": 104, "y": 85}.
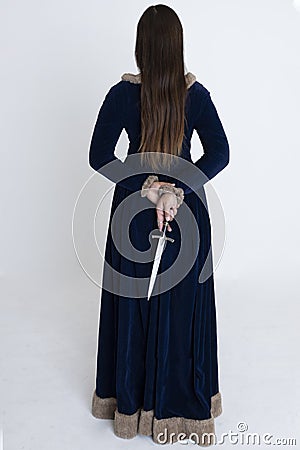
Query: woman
{"x": 157, "y": 368}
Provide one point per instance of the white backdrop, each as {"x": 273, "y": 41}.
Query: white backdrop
{"x": 58, "y": 61}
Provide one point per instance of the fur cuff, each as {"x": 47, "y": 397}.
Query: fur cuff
{"x": 162, "y": 189}
{"x": 147, "y": 183}
{"x": 174, "y": 190}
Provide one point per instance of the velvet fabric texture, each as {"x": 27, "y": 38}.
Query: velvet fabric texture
{"x": 159, "y": 356}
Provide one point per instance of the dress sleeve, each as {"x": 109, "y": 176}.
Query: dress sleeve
{"x": 215, "y": 149}
{"x": 107, "y": 130}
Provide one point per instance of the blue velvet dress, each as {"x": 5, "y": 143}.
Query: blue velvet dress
{"x": 157, "y": 360}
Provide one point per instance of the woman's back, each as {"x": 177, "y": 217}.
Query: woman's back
{"x": 121, "y": 110}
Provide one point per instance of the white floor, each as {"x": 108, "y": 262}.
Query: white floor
{"x": 48, "y": 350}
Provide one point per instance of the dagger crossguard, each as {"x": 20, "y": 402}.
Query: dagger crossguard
{"x": 159, "y": 236}
{"x": 166, "y": 238}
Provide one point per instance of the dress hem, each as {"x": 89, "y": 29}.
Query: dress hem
{"x": 162, "y": 431}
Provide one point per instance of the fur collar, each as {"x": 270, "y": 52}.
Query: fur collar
{"x": 136, "y": 78}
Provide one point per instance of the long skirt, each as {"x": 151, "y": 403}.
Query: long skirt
{"x": 157, "y": 362}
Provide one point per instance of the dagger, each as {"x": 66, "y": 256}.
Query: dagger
{"x": 161, "y": 244}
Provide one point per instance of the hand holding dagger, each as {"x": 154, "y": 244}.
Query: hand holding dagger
{"x": 167, "y": 198}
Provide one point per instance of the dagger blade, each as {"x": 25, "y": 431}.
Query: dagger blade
{"x": 157, "y": 258}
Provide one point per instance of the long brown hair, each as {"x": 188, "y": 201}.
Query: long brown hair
{"x": 159, "y": 57}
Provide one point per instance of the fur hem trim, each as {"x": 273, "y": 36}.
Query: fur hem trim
{"x": 136, "y": 78}
{"x": 174, "y": 429}
{"x": 216, "y": 405}
{"x": 126, "y": 425}
{"x": 103, "y": 408}
{"x": 168, "y": 430}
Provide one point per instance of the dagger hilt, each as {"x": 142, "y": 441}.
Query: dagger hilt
{"x": 159, "y": 236}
